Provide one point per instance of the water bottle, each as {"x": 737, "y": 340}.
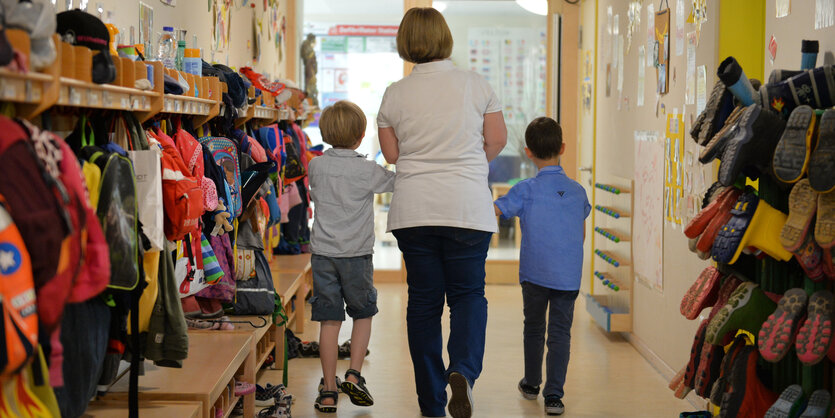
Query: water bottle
{"x": 167, "y": 51}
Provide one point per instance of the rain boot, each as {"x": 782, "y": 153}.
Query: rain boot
{"x": 808, "y": 54}
{"x": 815, "y": 335}
{"x": 719, "y": 106}
{"x": 702, "y": 293}
{"x": 746, "y": 396}
{"x": 810, "y": 258}
{"x": 815, "y": 87}
{"x": 747, "y": 309}
{"x": 818, "y": 405}
{"x": 822, "y": 160}
{"x": 729, "y": 285}
{"x": 803, "y": 203}
{"x": 731, "y": 74}
{"x": 716, "y": 145}
{"x": 708, "y": 371}
{"x": 777, "y": 334}
{"x": 791, "y": 157}
{"x": 722, "y": 217}
{"x": 761, "y": 231}
{"x": 751, "y": 142}
{"x": 789, "y": 404}
{"x": 720, "y": 385}
{"x": 695, "y": 355}
{"x": 825, "y": 224}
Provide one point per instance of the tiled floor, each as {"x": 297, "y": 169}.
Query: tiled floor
{"x": 606, "y": 377}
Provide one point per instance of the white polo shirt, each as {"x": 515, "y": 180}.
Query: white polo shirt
{"x": 437, "y": 113}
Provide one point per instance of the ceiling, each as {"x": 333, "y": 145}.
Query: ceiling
{"x": 395, "y": 7}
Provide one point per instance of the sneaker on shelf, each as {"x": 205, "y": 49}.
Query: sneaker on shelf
{"x": 789, "y": 404}
{"x": 528, "y": 392}
{"x": 338, "y": 384}
{"x": 554, "y": 405}
{"x": 244, "y": 388}
{"x": 779, "y": 330}
{"x": 461, "y": 402}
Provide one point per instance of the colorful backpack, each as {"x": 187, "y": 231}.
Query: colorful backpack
{"x": 225, "y": 153}
{"x": 17, "y": 304}
{"x": 182, "y": 195}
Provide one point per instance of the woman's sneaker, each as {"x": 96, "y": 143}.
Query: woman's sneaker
{"x": 528, "y": 392}
{"x": 553, "y": 405}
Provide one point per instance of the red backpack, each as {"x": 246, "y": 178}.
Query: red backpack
{"x": 182, "y": 197}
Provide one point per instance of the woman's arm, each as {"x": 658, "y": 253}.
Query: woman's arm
{"x": 495, "y": 135}
{"x": 388, "y": 144}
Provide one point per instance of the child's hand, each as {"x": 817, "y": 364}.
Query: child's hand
{"x": 498, "y": 211}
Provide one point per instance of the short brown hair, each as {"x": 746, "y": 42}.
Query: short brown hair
{"x": 342, "y": 124}
{"x": 544, "y": 138}
{"x": 423, "y": 36}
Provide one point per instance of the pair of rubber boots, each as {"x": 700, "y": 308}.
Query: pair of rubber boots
{"x": 809, "y": 230}
{"x": 800, "y": 321}
{"x": 753, "y": 224}
{"x": 807, "y": 146}
{"x": 738, "y": 391}
{"x": 792, "y": 403}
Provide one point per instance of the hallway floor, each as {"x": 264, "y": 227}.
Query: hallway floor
{"x": 607, "y": 377}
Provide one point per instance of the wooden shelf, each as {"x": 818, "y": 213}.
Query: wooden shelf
{"x": 186, "y": 105}
{"x": 77, "y": 93}
{"x": 611, "y": 319}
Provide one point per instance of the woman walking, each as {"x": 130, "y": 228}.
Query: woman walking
{"x": 441, "y": 126}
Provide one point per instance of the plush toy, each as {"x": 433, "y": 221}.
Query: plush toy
{"x": 222, "y": 224}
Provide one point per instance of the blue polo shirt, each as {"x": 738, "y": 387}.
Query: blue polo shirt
{"x": 551, "y": 208}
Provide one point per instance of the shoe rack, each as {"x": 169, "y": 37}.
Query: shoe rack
{"x": 610, "y": 299}
{"x": 67, "y": 83}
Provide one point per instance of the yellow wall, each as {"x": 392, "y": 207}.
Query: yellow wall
{"x": 743, "y": 38}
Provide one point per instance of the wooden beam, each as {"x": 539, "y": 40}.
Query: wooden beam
{"x": 566, "y": 67}
{"x": 291, "y": 45}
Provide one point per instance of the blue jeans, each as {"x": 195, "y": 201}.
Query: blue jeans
{"x": 444, "y": 262}
{"x": 560, "y": 306}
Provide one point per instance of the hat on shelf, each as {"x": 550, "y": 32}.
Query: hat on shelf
{"x": 37, "y": 18}
{"x": 251, "y": 180}
{"x": 81, "y": 28}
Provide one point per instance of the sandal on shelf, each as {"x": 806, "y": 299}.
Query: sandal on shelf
{"x": 326, "y": 394}
{"x": 358, "y": 392}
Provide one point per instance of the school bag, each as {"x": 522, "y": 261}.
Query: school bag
{"x": 20, "y": 319}
{"x": 182, "y": 196}
{"x": 225, "y": 153}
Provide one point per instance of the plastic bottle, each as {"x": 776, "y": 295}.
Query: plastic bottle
{"x": 167, "y": 51}
{"x": 191, "y": 61}
{"x": 181, "y": 50}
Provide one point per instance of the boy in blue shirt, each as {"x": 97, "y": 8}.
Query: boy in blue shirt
{"x": 552, "y": 209}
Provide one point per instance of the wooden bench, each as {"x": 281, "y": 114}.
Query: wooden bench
{"x": 293, "y": 280}
{"x": 207, "y": 376}
{"x": 262, "y": 344}
{"x": 147, "y": 409}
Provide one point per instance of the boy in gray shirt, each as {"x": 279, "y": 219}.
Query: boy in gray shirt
{"x": 342, "y": 186}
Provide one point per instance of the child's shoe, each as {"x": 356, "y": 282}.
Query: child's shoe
{"x": 358, "y": 392}
{"x": 777, "y": 334}
{"x": 528, "y": 392}
{"x": 818, "y": 404}
{"x": 553, "y": 405}
{"x": 822, "y": 160}
{"x": 789, "y": 404}
{"x": 326, "y": 394}
{"x": 338, "y": 384}
{"x": 747, "y": 309}
{"x": 814, "y": 337}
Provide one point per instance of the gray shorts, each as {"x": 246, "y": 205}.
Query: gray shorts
{"x": 338, "y": 282}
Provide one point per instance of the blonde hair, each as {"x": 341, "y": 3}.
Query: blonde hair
{"x": 423, "y": 36}
{"x": 342, "y": 124}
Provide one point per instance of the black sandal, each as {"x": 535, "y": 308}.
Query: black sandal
{"x": 326, "y": 394}
{"x": 357, "y": 391}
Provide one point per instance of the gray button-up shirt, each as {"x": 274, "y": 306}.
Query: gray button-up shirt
{"x": 342, "y": 186}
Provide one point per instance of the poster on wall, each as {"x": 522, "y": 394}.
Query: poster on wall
{"x": 633, "y": 18}
{"x": 690, "y": 77}
{"x": 701, "y": 89}
{"x": 824, "y": 13}
{"x": 782, "y": 8}
{"x": 648, "y": 221}
{"x": 674, "y": 167}
{"x": 662, "y": 50}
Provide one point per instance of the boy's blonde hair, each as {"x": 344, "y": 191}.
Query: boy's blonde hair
{"x": 342, "y": 124}
{"x": 423, "y": 36}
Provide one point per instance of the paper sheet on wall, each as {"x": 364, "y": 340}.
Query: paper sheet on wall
{"x": 620, "y": 63}
{"x": 824, "y": 13}
{"x": 642, "y": 69}
{"x": 648, "y": 221}
{"x": 701, "y": 89}
{"x": 615, "y": 33}
{"x": 680, "y": 14}
{"x": 690, "y": 77}
{"x": 782, "y": 8}
{"x": 674, "y": 167}
{"x": 607, "y": 36}
{"x": 650, "y": 34}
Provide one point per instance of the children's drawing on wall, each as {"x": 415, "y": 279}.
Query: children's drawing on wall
{"x": 782, "y": 8}
{"x": 679, "y": 28}
{"x": 698, "y": 16}
{"x": 650, "y": 34}
{"x": 674, "y": 168}
{"x": 641, "y": 75}
{"x": 633, "y": 18}
{"x": 661, "y": 50}
{"x": 648, "y": 221}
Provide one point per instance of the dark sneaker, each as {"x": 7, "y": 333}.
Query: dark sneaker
{"x": 461, "y": 403}
{"x": 528, "y": 392}
{"x": 791, "y": 157}
{"x": 269, "y": 395}
{"x": 358, "y": 393}
{"x": 553, "y": 405}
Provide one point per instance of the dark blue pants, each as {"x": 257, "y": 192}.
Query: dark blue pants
{"x": 444, "y": 262}
{"x": 560, "y": 307}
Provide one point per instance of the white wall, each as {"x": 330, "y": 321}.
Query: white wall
{"x": 194, "y": 16}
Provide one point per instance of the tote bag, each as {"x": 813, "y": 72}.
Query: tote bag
{"x": 146, "y": 165}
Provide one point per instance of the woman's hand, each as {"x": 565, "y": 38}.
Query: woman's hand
{"x": 388, "y": 144}
{"x": 495, "y": 135}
